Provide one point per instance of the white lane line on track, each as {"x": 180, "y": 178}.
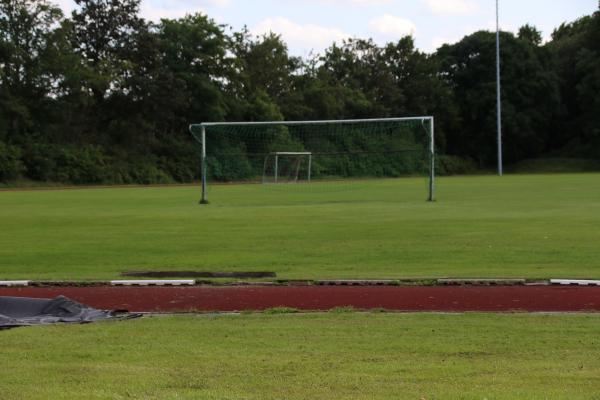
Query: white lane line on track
{"x": 577, "y": 282}
{"x": 189, "y": 282}
{"x": 13, "y": 283}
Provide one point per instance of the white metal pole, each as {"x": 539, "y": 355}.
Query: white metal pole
{"x": 498, "y": 93}
{"x": 204, "y": 200}
{"x": 432, "y": 162}
{"x": 318, "y": 122}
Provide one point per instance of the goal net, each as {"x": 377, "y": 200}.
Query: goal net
{"x": 311, "y": 153}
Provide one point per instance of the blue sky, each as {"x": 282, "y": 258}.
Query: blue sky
{"x": 312, "y": 25}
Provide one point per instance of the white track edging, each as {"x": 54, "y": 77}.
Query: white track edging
{"x": 154, "y": 283}
{"x": 483, "y": 281}
{"x": 13, "y": 283}
{"x": 577, "y": 282}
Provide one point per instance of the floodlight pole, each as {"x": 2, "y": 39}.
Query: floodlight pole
{"x": 498, "y": 94}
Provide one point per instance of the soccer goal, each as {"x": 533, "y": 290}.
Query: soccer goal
{"x": 308, "y": 153}
{"x": 287, "y": 167}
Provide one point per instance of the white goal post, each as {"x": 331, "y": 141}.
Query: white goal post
{"x": 238, "y": 135}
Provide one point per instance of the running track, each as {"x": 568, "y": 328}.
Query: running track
{"x": 412, "y": 298}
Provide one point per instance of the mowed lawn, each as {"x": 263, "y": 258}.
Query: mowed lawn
{"x": 311, "y": 356}
{"x": 532, "y": 226}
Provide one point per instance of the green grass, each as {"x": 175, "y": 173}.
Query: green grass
{"x": 308, "y": 356}
{"x": 532, "y": 226}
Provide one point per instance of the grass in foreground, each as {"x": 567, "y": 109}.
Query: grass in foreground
{"x": 308, "y": 356}
{"x": 532, "y": 226}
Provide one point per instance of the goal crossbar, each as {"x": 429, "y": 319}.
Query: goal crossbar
{"x": 292, "y": 153}
{"x": 321, "y": 122}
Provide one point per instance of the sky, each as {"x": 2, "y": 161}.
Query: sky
{"x": 313, "y": 25}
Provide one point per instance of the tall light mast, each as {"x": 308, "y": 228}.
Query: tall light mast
{"x": 498, "y": 94}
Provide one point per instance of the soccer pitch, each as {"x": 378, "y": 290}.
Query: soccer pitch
{"x": 310, "y": 356}
{"x": 529, "y": 226}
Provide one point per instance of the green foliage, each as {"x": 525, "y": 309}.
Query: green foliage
{"x": 531, "y": 34}
{"x": 11, "y": 166}
{"x": 146, "y": 173}
{"x": 92, "y": 165}
{"x": 76, "y": 165}
{"x": 229, "y": 168}
{"x": 576, "y": 52}
{"x": 102, "y": 33}
{"x": 530, "y": 96}
{"x": 453, "y": 165}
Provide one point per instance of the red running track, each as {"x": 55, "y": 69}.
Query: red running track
{"x": 422, "y": 298}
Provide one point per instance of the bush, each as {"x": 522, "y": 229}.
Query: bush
{"x": 11, "y": 166}
{"x": 183, "y": 170}
{"x": 147, "y": 173}
{"x": 88, "y": 165}
{"x": 39, "y": 162}
{"x": 453, "y": 165}
{"x": 67, "y": 164}
{"x": 230, "y": 168}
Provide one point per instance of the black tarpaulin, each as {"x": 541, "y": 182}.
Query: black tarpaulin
{"x": 22, "y": 311}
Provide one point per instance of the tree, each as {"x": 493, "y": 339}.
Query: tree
{"x": 26, "y": 33}
{"x": 575, "y": 48}
{"x": 530, "y": 34}
{"x": 263, "y": 76}
{"x": 530, "y": 96}
{"x": 195, "y": 52}
{"x": 104, "y": 30}
{"x": 366, "y": 80}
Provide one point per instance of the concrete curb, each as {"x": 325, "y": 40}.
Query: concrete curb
{"x": 574, "y": 282}
{"x": 332, "y": 282}
{"x": 13, "y": 283}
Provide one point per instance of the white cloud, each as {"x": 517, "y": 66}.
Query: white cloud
{"x": 154, "y": 11}
{"x": 437, "y": 42}
{"x": 466, "y": 30}
{"x": 490, "y": 25}
{"x": 191, "y": 3}
{"x": 451, "y": 6}
{"x": 307, "y": 36}
{"x": 359, "y": 2}
{"x": 218, "y": 3}
{"x": 66, "y": 5}
{"x": 392, "y": 26}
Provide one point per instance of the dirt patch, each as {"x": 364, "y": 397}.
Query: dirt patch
{"x": 198, "y": 274}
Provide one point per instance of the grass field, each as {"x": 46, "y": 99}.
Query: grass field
{"x": 312, "y": 356}
{"x": 533, "y": 226}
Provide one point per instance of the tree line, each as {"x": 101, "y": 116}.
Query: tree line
{"x": 104, "y": 96}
